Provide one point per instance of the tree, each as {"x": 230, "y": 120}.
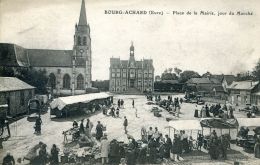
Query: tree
{"x": 169, "y": 76}
{"x": 256, "y": 71}
{"x": 6, "y": 72}
{"x": 36, "y": 78}
{"x": 207, "y": 74}
{"x": 177, "y": 71}
{"x": 187, "y": 74}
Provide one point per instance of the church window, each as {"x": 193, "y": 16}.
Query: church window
{"x": 79, "y": 40}
{"x": 124, "y": 74}
{"x": 66, "y": 81}
{"x": 52, "y": 81}
{"x": 80, "y": 82}
{"x": 84, "y": 40}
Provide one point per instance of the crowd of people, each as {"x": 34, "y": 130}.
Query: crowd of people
{"x": 171, "y": 105}
{"x": 214, "y": 111}
{"x": 152, "y": 148}
{"x": 37, "y": 156}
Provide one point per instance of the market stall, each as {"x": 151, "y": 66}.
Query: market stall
{"x": 221, "y": 126}
{"x": 63, "y": 105}
{"x": 248, "y": 130}
{"x": 192, "y": 126}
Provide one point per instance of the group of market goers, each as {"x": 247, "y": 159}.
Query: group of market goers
{"x": 38, "y": 155}
{"x": 171, "y": 105}
{"x": 216, "y": 111}
{"x": 152, "y": 148}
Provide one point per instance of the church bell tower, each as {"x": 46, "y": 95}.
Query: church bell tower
{"x": 82, "y": 47}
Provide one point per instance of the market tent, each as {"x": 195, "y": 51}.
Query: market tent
{"x": 219, "y": 123}
{"x": 249, "y": 122}
{"x": 185, "y": 125}
{"x": 61, "y": 102}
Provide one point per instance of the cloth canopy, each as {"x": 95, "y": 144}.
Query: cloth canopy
{"x": 219, "y": 123}
{"x": 249, "y": 122}
{"x": 185, "y": 125}
{"x": 61, "y": 102}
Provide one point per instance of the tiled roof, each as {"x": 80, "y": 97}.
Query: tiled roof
{"x": 170, "y": 81}
{"x": 210, "y": 88}
{"x": 50, "y": 58}
{"x": 215, "y": 80}
{"x": 199, "y": 81}
{"x": 13, "y": 84}
{"x": 243, "y": 85}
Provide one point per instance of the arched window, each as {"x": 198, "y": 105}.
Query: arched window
{"x": 79, "y": 40}
{"x": 52, "y": 81}
{"x": 66, "y": 81}
{"x": 80, "y": 82}
{"x": 84, "y": 40}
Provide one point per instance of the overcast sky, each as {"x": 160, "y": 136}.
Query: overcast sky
{"x": 219, "y": 44}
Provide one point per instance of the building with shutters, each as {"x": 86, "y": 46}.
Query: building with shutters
{"x": 131, "y": 76}
{"x": 69, "y": 71}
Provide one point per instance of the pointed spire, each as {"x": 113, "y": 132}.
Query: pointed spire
{"x": 82, "y": 17}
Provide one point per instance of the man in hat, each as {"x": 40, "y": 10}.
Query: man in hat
{"x": 99, "y": 131}
{"x": 8, "y": 159}
{"x": 125, "y": 124}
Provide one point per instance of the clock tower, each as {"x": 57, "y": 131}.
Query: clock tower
{"x": 82, "y": 48}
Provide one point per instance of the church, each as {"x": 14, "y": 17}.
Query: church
{"x": 69, "y": 71}
{"x": 131, "y": 76}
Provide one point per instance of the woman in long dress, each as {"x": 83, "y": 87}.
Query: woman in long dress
{"x": 104, "y": 148}
{"x": 257, "y": 148}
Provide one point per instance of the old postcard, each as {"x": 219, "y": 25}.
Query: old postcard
{"x": 129, "y": 82}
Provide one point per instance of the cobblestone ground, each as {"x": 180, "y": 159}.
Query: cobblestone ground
{"x": 23, "y": 138}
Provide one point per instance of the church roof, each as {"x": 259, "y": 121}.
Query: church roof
{"x": 13, "y": 55}
{"x": 50, "y": 58}
{"x": 83, "y": 17}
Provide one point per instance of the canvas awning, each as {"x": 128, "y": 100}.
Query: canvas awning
{"x": 219, "y": 123}
{"x": 249, "y": 122}
{"x": 185, "y": 125}
{"x": 61, "y": 102}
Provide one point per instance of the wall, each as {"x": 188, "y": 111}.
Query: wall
{"x": 59, "y": 78}
{"x": 17, "y": 105}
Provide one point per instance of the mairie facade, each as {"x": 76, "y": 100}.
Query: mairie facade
{"x": 131, "y": 76}
{"x": 69, "y": 71}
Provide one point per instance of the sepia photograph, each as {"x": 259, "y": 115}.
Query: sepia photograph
{"x": 129, "y": 82}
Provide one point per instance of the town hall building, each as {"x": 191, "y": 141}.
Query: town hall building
{"x": 131, "y": 76}
{"x": 69, "y": 71}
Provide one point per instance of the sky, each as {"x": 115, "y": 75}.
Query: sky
{"x": 218, "y": 44}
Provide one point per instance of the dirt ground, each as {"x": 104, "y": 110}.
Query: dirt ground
{"x": 23, "y": 137}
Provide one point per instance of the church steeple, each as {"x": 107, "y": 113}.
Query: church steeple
{"x": 82, "y": 17}
{"x": 132, "y": 49}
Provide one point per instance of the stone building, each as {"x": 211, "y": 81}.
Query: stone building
{"x": 244, "y": 92}
{"x": 131, "y": 76}
{"x": 69, "y": 71}
{"x": 16, "y": 94}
